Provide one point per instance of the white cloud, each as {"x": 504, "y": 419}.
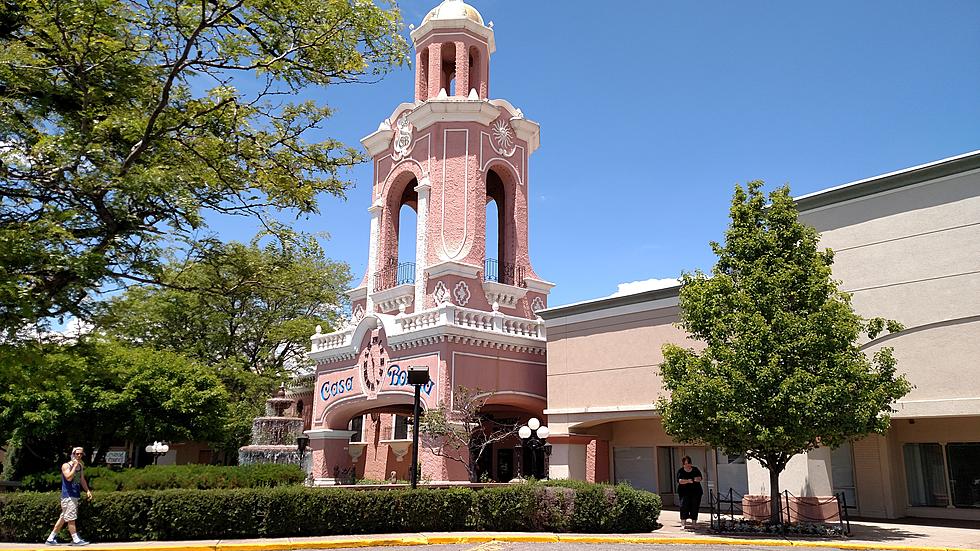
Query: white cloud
{"x": 634, "y": 287}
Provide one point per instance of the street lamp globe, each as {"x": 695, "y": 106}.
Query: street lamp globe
{"x": 533, "y": 423}
{"x": 524, "y": 432}
{"x": 543, "y": 432}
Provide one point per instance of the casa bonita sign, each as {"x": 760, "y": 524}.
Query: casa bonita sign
{"x": 396, "y": 376}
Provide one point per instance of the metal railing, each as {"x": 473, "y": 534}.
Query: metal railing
{"x": 503, "y": 272}
{"x": 394, "y": 274}
{"x": 728, "y": 511}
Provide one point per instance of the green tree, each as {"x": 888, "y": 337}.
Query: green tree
{"x": 782, "y": 370}
{"x": 95, "y": 393}
{"x": 122, "y": 123}
{"x": 249, "y": 318}
{"x": 465, "y": 433}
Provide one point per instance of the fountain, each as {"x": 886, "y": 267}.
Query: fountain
{"x": 274, "y": 436}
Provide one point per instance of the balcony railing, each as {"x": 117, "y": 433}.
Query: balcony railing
{"x": 503, "y": 272}
{"x": 394, "y": 274}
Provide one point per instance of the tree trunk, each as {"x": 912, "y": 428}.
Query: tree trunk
{"x": 775, "y": 509}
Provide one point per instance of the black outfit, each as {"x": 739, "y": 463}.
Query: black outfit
{"x": 690, "y": 493}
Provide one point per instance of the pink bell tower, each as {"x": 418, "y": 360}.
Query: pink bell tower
{"x": 465, "y": 312}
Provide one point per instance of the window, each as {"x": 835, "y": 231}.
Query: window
{"x": 357, "y": 425}
{"x": 842, "y": 473}
{"x": 400, "y": 429}
{"x": 964, "y": 473}
{"x": 635, "y": 465}
{"x": 925, "y": 475}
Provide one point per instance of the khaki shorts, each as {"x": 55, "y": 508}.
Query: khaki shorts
{"x": 69, "y": 508}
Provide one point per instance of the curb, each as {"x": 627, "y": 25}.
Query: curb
{"x": 349, "y": 542}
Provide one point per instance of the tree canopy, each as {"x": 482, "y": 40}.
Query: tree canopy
{"x": 248, "y": 315}
{"x": 123, "y": 123}
{"x": 98, "y": 392}
{"x": 782, "y": 370}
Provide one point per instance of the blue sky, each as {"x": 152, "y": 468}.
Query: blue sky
{"x": 651, "y": 112}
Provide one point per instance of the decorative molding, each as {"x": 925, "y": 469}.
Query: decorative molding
{"x": 357, "y": 293}
{"x": 356, "y": 450}
{"x": 503, "y": 138}
{"x": 393, "y": 299}
{"x": 402, "y": 143}
{"x": 454, "y": 26}
{"x": 398, "y": 447}
{"x": 537, "y": 304}
{"x": 453, "y": 268}
{"x": 538, "y": 285}
{"x": 462, "y": 293}
{"x": 357, "y": 315}
{"x": 329, "y": 434}
{"x": 504, "y": 295}
{"x": 441, "y": 293}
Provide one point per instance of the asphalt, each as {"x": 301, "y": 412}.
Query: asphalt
{"x": 908, "y": 535}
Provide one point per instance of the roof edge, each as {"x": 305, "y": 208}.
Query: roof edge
{"x": 603, "y": 303}
{"x": 887, "y": 182}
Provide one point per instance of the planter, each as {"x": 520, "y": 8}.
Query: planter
{"x": 755, "y": 507}
{"x": 813, "y": 509}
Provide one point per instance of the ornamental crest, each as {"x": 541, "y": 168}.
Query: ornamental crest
{"x": 537, "y": 304}
{"x": 373, "y": 360}
{"x": 441, "y": 293}
{"x": 462, "y": 293}
{"x": 402, "y": 145}
{"x": 503, "y": 140}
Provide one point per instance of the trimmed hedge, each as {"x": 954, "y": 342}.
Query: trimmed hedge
{"x": 162, "y": 477}
{"x": 302, "y": 511}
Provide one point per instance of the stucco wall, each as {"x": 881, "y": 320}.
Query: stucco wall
{"x": 913, "y": 255}
{"x": 610, "y": 361}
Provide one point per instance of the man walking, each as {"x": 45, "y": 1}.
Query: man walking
{"x": 72, "y": 482}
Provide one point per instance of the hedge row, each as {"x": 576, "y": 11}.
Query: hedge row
{"x": 303, "y": 511}
{"x": 163, "y": 477}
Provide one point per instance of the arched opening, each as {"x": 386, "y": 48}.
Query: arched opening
{"x": 398, "y": 266}
{"x": 448, "y": 76}
{"x": 499, "y": 261}
{"x": 422, "y": 86}
{"x": 475, "y": 74}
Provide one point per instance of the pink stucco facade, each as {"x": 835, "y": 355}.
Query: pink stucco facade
{"x": 466, "y": 313}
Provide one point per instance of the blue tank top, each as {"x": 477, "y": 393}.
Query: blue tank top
{"x": 73, "y": 487}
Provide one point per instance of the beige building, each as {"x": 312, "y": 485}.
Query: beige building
{"x": 907, "y": 248}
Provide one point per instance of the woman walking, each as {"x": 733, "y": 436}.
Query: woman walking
{"x": 689, "y": 490}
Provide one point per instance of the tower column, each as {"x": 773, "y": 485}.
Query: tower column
{"x": 421, "y": 83}
{"x": 462, "y": 70}
{"x": 375, "y": 211}
{"x": 421, "y": 238}
{"x": 435, "y": 68}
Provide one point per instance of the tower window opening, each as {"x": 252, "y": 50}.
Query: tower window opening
{"x": 499, "y": 236}
{"x": 398, "y": 268}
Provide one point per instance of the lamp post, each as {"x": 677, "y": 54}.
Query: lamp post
{"x": 157, "y": 449}
{"x": 417, "y": 376}
{"x": 533, "y": 436}
{"x": 302, "y": 442}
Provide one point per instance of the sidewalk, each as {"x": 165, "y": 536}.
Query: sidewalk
{"x": 919, "y": 534}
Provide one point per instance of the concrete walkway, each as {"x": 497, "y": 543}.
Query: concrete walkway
{"x": 914, "y": 535}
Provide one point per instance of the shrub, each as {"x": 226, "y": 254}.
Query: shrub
{"x": 185, "y": 514}
{"x": 164, "y": 477}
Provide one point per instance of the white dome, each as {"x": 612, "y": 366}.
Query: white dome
{"x": 454, "y": 9}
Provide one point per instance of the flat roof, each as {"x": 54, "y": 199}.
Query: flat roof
{"x": 609, "y": 302}
{"x": 887, "y": 182}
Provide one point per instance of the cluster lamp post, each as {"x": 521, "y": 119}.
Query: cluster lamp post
{"x": 533, "y": 436}
{"x": 417, "y": 377}
{"x": 157, "y": 449}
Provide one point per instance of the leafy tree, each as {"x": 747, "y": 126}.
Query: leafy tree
{"x": 95, "y": 393}
{"x": 249, "y": 318}
{"x": 123, "y": 122}
{"x": 466, "y": 433}
{"x": 781, "y": 371}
